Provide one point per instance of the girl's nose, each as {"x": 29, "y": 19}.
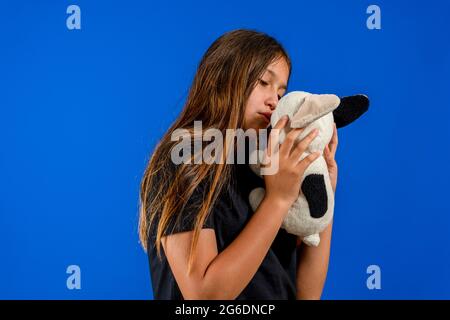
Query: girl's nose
{"x": 272, "y": 102}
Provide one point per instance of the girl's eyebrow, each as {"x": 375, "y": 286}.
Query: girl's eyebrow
{"x": 273, "y": 74}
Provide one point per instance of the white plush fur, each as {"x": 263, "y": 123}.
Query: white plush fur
{"x": 309, "y": 111}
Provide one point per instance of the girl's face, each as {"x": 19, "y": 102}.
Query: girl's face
{"x": 264, "y": 97}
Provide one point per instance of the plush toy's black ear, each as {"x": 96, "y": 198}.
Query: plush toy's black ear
{"x": 350, "y": 109}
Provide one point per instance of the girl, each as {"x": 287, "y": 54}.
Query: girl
{"x": 202, "y": 238}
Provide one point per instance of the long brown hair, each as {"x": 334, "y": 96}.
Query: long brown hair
{"x": 226, "y": 75}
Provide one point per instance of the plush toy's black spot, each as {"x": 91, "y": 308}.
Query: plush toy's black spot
{"x": 313, "y": 187}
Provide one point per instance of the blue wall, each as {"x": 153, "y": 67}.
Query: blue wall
{"x": 82, "y": 109}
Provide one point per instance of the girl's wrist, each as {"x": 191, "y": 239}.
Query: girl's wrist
{"x": 278, "y": 203}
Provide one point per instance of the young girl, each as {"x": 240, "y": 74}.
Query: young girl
{"x": 202, "y": 238}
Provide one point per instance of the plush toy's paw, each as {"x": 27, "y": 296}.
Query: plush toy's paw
{"x": 313, "y": 187}
{"x": 256, "y": 197}
{"x": 312, "y": 240}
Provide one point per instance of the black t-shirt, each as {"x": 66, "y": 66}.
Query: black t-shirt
{"x": 276, "y": 276}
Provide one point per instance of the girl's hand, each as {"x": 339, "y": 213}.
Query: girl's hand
{"x": 284, "y": 185}
{"x": 329, "y": 155}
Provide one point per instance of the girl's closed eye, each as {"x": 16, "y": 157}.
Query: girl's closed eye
{"x": 265, "y": 83}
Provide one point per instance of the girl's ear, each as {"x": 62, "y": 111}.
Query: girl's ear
{"x": 350, "y": 109}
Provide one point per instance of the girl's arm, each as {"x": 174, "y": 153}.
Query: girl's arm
{"x": 224, "y": 276}
{"x": 312, "y": 267}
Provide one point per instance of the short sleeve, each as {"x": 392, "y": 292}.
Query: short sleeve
{"x": 185, "y": 219}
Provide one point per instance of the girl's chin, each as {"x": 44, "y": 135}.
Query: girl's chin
{"x": 256, "y": 127}
{"x": 260, "y": 124}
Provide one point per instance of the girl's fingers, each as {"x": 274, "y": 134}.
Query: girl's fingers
{"x": 302, "y": 165}
{"x": 334, "y": 139}
{"x": 275, "y": 132}
{"x": 289, "y": 141}
{"x": 334, "y": 142}
{"x": 329, "y": 158}
{"x": 303, "y": 145}
{"x": 326, "y": 152}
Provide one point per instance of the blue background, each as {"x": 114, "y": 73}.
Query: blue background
{"x": 81, "y": 111}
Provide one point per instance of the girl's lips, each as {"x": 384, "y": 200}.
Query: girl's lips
{"x": 266, "y": 116}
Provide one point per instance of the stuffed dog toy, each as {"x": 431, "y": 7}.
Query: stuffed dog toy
{"x": 313, "y": 210}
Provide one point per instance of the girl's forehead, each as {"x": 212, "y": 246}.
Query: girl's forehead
{"x": 279, "y": 71}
